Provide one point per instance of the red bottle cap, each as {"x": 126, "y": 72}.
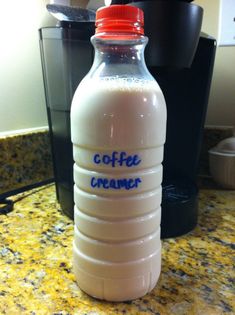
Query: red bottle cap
{"x": 120, "y": 19}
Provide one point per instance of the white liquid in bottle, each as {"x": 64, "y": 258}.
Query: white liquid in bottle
{"x": 118, "y": 132}
{"x": 118, "y": 125}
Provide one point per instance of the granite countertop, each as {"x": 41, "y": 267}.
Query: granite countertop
{"x": 36, "y": 273}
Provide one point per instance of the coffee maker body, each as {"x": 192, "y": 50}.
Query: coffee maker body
{"x": 180, "y": 59}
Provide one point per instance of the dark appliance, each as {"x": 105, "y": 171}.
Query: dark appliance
{"x": 186, "y": 92}
{"x": 66, "y": 55}
{"x": 181, "y": 61}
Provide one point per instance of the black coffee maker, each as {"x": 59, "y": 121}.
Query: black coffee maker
{"x": 182, "y": 62}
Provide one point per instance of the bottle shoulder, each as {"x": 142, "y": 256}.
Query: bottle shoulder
{"x": 119, "y": 112}
{"x": 118, "y": 96}
{"x": 119, "y": 86}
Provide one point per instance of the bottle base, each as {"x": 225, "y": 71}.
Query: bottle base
{"x": 118, "y": 289}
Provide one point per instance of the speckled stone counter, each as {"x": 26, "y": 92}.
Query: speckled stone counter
{"x": 36, "y": 273}
{"x": 25, "y": 159}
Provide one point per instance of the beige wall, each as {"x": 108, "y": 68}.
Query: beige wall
{"x": 22, "y": 103}
{"x": 221, "y": 110}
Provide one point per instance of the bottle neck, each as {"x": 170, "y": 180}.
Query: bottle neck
{"x": 119, "y": 55}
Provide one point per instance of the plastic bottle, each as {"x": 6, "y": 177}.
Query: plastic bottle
{"x": 118, "y": 125}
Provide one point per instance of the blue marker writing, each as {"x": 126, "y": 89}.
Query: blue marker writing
{"x": 123, "y": 183}
{"x": 117, "y": 159}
